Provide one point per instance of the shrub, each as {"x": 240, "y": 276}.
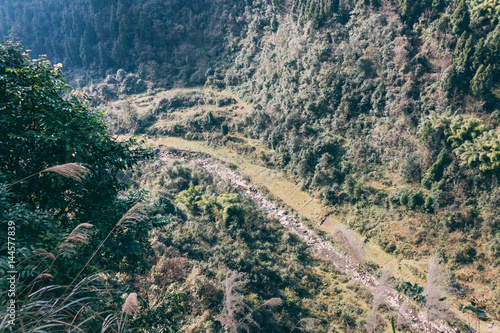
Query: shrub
{"x": 403, "y": 198}
{"x": 415, "y": 200}
{"x": 429, "y": 204}
{"x": 464, "y": 255}
{"x": 453, "y": 220}
{"x": 412, "y": 168}
{"x": 483, "y": 152}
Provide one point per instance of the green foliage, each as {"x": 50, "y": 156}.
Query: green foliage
{"x": 102, "y": 38}
{"x": 450, "y": 82}
{"x": 233, "y": 214}
{"x": 210, "y": 118}
{"x": 464, "y": 51}
{"x": 484, "y": 13}
{"x": 477, "y": 309}
{"x": 429, "y": 204}
{"x": 229, "y": 232}
{"x": 46, "y": 129}
{"x": 414, "y": 291}
{"x": 483, "y": 152}
{"x": 461, "y": 131}
{"x": 494, "y": 248}
{"x": 366, "y": 76}
{"x": 481, "y": 54}
{"x": 43, "y": 129}
{"x": 438, "y": 5}
{"x": 460, "y": 19}
{"x": 464, "y": 255}
{"x": 354, "y": 189}
{"x": 482, "y": 82}
{"x": 190, "y": 199}
{"x": 435, "y": 172}
{"x": 451, "y": 131}
{"x": 415, "y": 200}
{"x": 403, "y": 198}
{"x": 54, "y": 308}
{"x": 34, "y": 230}
{"x": 409, "y": 10}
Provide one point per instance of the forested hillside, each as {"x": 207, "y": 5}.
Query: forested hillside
{"x": 169, "y": 41}
{"x": 386, "y": 111}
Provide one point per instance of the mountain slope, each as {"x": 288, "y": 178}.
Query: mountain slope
{"x": 387, "y": 112}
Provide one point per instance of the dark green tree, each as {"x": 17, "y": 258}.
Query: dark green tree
{"x": 87, "y": 47}
{"x": 480, "y": 55}
{"x": 493, "y": 44}
{"x": 435, "y": 172}
{"x": 482, "y": 81}
{"x": 415, "y": 200}
{"x": 464, "y": 51}
{"x": 449, "y": 83}
{"x": 438, "y": 5}
{"x": 224, "y": 128}
{"x": 460, "y": 19}
{"x": 410, "y": 10}
{"x": 429, "y": 204}
{"x": 105, "y": 59}
{"x": 145, "y": 28}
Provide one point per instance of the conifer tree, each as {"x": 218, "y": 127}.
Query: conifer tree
{"x": 449, "y": 81}
{"x": 113, "y": 21}
{"x": 105, "y": 60}
{"x": 460, "y": 19}
{"x": 481, "y": 82}
{"x": 410, "y": 10}
{"x": 465, "y": 55}
{"x": 87, "y": 46}
{"x": 493, "y": 43}
{"x": 145, "y": 28}
{"x": 480, "y": 55}
{"x": 460, "y": 45}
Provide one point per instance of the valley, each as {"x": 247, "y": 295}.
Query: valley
{"x": 247, "y": 166}
{"x": 237, "y": 160}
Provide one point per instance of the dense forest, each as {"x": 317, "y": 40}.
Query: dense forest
{"x": 387, "y": 111}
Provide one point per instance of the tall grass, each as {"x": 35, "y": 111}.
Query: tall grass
{"x": 41, "y": 311}
{"x": 66, "y": 308}
{"x": 234, "y": 318}
{"x": 69, "y": 170}
{"x": 351, "y": 243}
{"x": 381, "y": 293}
{"x": 440, "y": 293}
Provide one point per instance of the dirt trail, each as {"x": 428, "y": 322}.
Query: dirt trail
{"x": 415, "y": 318}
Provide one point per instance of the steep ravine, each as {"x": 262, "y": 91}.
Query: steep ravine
{"x": 414, "y": 317}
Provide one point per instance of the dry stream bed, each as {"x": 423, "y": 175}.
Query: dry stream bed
{"x": 414, "y": 317}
